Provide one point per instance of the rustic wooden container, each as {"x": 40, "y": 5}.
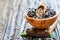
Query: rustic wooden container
{"x": 42, "y": 23}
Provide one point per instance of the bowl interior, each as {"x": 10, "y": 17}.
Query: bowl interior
{"x": 43, "y": 18}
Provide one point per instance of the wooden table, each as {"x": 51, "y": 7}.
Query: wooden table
{"x": 12, "y": 16}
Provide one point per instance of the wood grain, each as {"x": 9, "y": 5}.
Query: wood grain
{"x": 12, "y": 14}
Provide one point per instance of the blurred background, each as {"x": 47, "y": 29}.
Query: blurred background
{"x": 12, "y": 14}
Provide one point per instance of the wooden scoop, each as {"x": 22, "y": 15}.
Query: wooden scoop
{"x": 41, "y": 10}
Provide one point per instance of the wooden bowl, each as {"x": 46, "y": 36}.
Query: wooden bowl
{"x": 42, "y": 23}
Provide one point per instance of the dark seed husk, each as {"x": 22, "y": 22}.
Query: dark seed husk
{"x": 48, "y": 13}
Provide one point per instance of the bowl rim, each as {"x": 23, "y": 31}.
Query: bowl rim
{"x": 43, "y": 18}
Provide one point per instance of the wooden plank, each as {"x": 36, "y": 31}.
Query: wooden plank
{"x": 17, "y": 8}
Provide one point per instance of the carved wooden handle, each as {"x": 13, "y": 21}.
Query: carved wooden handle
{"x": 41, "y": 10}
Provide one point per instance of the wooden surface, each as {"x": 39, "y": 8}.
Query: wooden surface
{"x": 12, "y": 16}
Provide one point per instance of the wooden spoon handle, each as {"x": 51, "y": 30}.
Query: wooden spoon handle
{"x": 41, "y": 10}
